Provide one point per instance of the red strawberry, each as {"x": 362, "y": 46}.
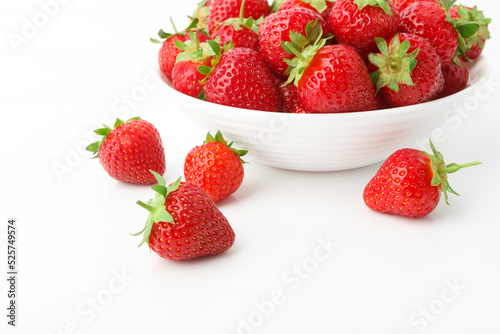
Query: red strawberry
{"x": 243, "y": 32}
{"x": 242, "y": 79}
{"x": 186, "y": 78}
{"x": 357, "y": 22}
{"x": 475, "y": 42}
{"x": 184, "y": 222}
{"x": 168, "y": 51}
{"x": 409, "y": 183}
{"x": 431, "y": 21}
{"x": 221, "y": 10}
{"x": 277, "y": 28}
{"x": 331, "y": 78}
{"x": 289, "y": 96}
{"x": 322, "y": 7}
{"x": 201, "y": 14}
{"x": 215, "y": 167}
{"x": 456, "y": 78}
{"x": 409, "y": 70}
{"x": 130, "y": 150}
{"x": 402, "y": 4}
{"x": 299, "y": 109}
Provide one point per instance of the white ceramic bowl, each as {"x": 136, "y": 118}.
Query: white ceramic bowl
{"x": 326, "y": 142}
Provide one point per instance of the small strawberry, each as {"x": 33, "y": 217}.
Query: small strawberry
{"x": 221, "y": 10}
{"x": 185, "y": 75}
{"x": 300, "y": 26}
{"x": 357, "y": 22}
{"x": 288, "y": 94}
{"x": 456, "y": 78}
{"x": 241, "y": 79}
{"x": 331, "y": 78}
{"x": 476, "y": 42}
{"x": 322, "y": 7}
{"x": 184, "y": 222}
{"x": 201, "y": 14}
{"x": 409, "y": 183}
{"x": 402, "y": 4}
{"x": 432, "y": 21}
{"x": 216, "y": 167}
{"x": 300, "y": 109}
{"x": 168, "y": 51}
{"x": 129, "y": 150}
{"x": 242, "y": 32}
{"x": 408, "y": 70}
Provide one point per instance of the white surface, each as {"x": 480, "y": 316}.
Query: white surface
{"x": 385, "y": 275}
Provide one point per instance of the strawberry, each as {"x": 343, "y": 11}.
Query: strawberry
{"x": 241, "y": 79}
{"x": 402, "y": 4}
{"x": 184, "y": 222}
{"x": 300, "y": 26}
{"x": 299, "y": 109}
{"x": 322, "y": 7}
{"x": 168, "y": 51}
{"x": 456, "y": 78}
{"x": 409, "y": 183}
{"x": 242, "y": 32}
{"x": 129, "y": 150}
{"x": 331, "y": 78}
{"x": 185, "y": 75}
{"x": 221, "y": 10}
{"x": 475, "y": 43}
{"x": 289, "y": 96}
{"x": 432, "y": 21}
{"x": 408, "y": 70}
{"x": 201, "y": 14}
{"x": 357, "y": 22}
{"x": 216, "y": 167}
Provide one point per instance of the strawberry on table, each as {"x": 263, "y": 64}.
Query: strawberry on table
{"x": 168, "y": 52}
{"x": 476, "y": 42}
{"x": 241, "y": 79}
{"x": 216, "y": 167}
{"x": 221, "y": 10}
{"x": 184, "y": 223}
{"x": 330, "y": 78}
{"x": 300, "y": 26}
{"x": 409, "y": 183}
{"x": 357, "y": 22}
{"x": 408, "y": 70}
{"x": 130, "y": 150}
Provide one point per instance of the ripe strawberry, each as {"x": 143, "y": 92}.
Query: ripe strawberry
{"x": 242, "y": 32}
{"x": 221, "y": 10}
{"x": 357, "y": 22}
{"x": 129, "y": 150}
{"x": 184, "y": 222}
{"x": 409, "y": 70}
{"x": 456, "y": 78}
{"x": 432, "y": 21}
{"x": 299, "y": 109}
{"x": 331, "y": 78}
{"x": 215, "y": 167}
{"x": 409, "y": 183}
{"x": 241, "y": 79}
{"x": 168, "y": 51}
{"x": 322, "y": 7}
{"x": 201, "y": 14}
{"x": 288, "y": 94}
{"x": 296, "y": 25}
{"x": 475, "y": 43}
{"x": 185, "y": 75}
{"x": 402, "y": 4}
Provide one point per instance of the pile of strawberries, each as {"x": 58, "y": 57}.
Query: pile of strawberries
{"x": 324, "y": 56}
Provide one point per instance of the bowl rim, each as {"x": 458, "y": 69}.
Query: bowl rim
{"x": 481, "y": 63}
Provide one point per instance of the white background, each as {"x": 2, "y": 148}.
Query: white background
{"x": 81, "y": 272}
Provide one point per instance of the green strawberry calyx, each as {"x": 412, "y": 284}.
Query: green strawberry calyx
{"x": 166, "y": 35}
{"x": 219, "y": 138}
{"x": 104, "y": 132}
{"x": 193, "y": 50}
{"x": 216, "y": 51}
{"x": 374, "y": 3}
{"x": 394, "y": 63}
{"x": 441, "y": 170}
{"x": 241, "y": 22}
{"x": 304, "y": 48}
{"x": 201, "y": 15}
{"x": 474, "y": 15}
{"x": 319, "y": 5}
{"x": 156, "y": 206}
